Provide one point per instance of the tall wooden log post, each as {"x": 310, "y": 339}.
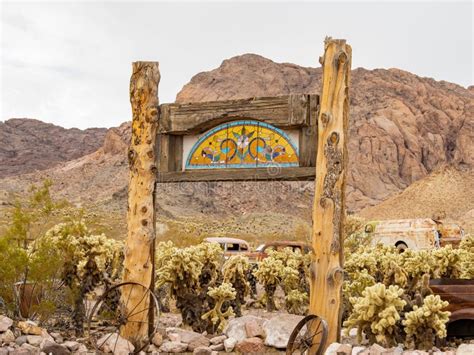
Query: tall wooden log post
{"x": 329, "y": 200}
{"x": 140, "y": 242}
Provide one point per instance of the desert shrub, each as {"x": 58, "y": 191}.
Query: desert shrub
{"x": 194, "y": 277}
{"x": 289, "y": 270}
{"x": 423, "y": 324}
{"x": 377, "y": 314}
{"x": 235, "y": 271}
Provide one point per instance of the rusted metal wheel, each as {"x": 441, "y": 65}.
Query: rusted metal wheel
{"x": 310, "y": 333}
{"x": 108, "y": 316}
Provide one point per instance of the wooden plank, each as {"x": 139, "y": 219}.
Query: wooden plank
{"x": 308, "y": 137}
{"x": 193, "y": 118}
{"x": 329, "y": 198}
{"x": 254, "y": 174}
{"x": 163, "y": 148}
{"x": 175, "y": 162}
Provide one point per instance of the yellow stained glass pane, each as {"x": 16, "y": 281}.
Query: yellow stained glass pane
{"x": 243, "y": 144}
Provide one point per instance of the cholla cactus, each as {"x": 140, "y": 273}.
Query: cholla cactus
{"x": 296, "y": 302}
{"x": 376, "y": 314}
{"x": 189, "y": 272}
{"x": 225, "y": 292}
{"x": 235, "y": 272}
{"x": 423, "y": 324}
{"x": 269, "y": 275}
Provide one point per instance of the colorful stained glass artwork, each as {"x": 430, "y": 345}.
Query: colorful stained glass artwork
{"x": 243, "y": 144}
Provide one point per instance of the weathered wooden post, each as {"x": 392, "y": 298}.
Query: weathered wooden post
{"x": 140, "y": 242}
{"x": 329, "y": 204}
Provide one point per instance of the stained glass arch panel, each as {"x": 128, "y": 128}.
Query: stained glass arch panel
{"x": 243, "y": 144}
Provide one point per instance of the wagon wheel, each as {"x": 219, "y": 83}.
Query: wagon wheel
{"x": 109, "y": 315}
{"x": 310, "y": 332}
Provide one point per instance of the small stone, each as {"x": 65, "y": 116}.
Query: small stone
{"x": 115, "y": 343}
{"x": 4, "y": 351}
{"x": 344, "y": 349}
{"x": 465, "y": 349}
{"x": 21, "y": 351}
{"x": 198, "y": 341}
{"x": 217, "y": 347}
{"x": 50, "y": 347}
{"x": 21, "y": 340}
{"x": 57, "y": 337}
{"x": 157, "y": 339}
{"x": 173, "y": 347}
{"x": 357, "y": 349}
{"x": 218, "y": 339}
{"x": 34, "y": 340}
{"x": 45, "y": 335}
{"x": 332, "y": 349}
{"x": 254, "y": 329}
{"x": 376, "y": 349}
{"x": 5, "y": 323}
{"x": 71, "y": 345}
{"x": 153, "y": 349}
{"x": 174, "y": 337}
{"x": 82, "y": 350}
{"x": 29, "y": 327}
{"x": 251, "y": 345}
{"x": 7, "y": 337}
{"x": 32, "y": 349}
{"x": 279, "y": 328}
{"x": 235, "y": 328}
{"x": 202, "y": 350}
{"x": 229, "y": 344}
{"x": 414, "y": 352}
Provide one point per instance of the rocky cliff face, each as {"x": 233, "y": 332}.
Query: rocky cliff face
{"x": 402, "y": 127}
{"x": 28, "y": 145}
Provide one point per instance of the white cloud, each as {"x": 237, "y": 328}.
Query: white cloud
{"x": 69, "y": 63}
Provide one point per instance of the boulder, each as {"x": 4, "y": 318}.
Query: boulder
{"x": 236, "y": 327}
{"x": 4, "y": 351}
{"x": 229, "y": 344}
{"x": 278, "y": 329}
{"x": 30, "y": 328}
{"x": 5, "y": 323}
{"x": 7, "y": 337}
{"x": 57, "y": 337}
{"x": 218, "y": 339}
{"x": 251, "y": 345}
{"x": 254, "y": 329}
{"x": 202, "y": 350}
{"x": 173, "y": 347}
{"x": 21, "y": 351}
{"x": 116, "y": 344}
{"x": 174, "y": 337}
{"x": 50, "y": 347}
{"x": 465, "y": 349}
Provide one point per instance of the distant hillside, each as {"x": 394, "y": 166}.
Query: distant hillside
{"x": 28, "y": 145}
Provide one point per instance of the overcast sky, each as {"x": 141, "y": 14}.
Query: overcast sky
{"x": 69, "y": 63}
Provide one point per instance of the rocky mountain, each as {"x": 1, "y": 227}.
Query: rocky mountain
{"x": 402, "y": 126}
{"x": 28, "y": 145}
{"x": 403, "y": 129}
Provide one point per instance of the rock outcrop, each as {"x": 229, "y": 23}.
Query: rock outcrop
{"x": 28, "y": 145}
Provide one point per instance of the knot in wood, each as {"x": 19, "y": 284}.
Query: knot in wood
{"x": 333, "y": 138}
{"x": 131, "y": 157}
{"x": 325, "y": 117}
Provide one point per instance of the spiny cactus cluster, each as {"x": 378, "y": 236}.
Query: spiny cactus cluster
{"x": 206, "y": 288}
{"x": 290, "y": 270}
{"x": 423, "y": 324}
{"x": 377, "y": 314}
{"x": 369, "y": 270}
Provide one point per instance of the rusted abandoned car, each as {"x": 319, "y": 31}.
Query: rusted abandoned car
{"x": 418, "y": 234}
{"x": 230, "y": 246}
{"x": 460, "y": 295}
